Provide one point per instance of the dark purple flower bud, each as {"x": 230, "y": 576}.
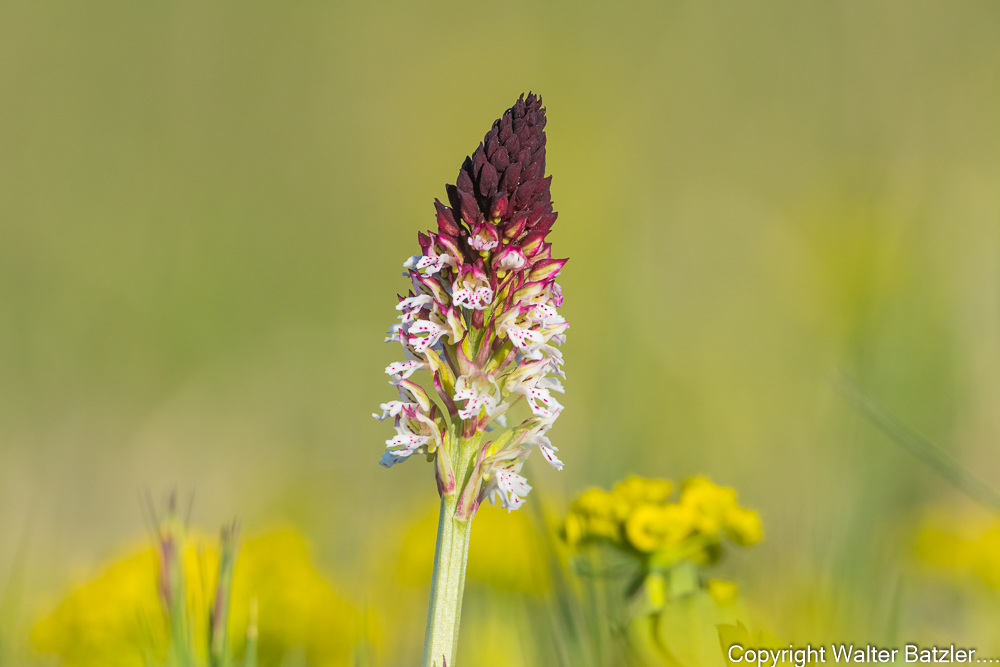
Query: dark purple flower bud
{"x": 545, "y": 222}
{"x": 524, "y": 134}
{"x": 510, "y": 178}
{"x": 446, "y": 220}
{"x": 488, "y": 180}
{"x": 470, "y": 207}
{"x": 501, "y": 159}
{"x": 513, "y": 145}
{"x": 532, "y": 171}
{"x": 524, "y": 157}
{"x": 464, "y": 181}
{"x": 527, "y": 192}
{"x": 478, "y": 160}
{"x": 492, "y": 144}
{"x": 454, "y": 200}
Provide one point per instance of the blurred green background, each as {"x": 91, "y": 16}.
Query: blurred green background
{"x": 204, "y": 208}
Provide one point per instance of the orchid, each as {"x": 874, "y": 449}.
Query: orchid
{"x": 481, "y": 324}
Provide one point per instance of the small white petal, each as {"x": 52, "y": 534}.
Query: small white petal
{"x": 550, "y": 456}
{"x": 480, "y": 244}
{"x": 410, "y": 443}
{"x": 484, "y": 295}
{"x": 540, "y": 401}
{"x": 474, "y": 401}
{"x": 511, "y": 487}
{"x": 415, "y": 302}
{"x": 462, "y": 297}
{"x": 405, "y": 368}
{"x": 521, "y": 337}
{"x": 551, "y": 384}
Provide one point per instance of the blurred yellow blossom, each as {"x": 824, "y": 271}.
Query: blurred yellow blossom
{"x": 651, "y": 527}
{"x": 963, "y": 549}
{"x": 118, "y": 619}
{"x": 743, "y": 526}
{"x": 113, "y": 621}
{"x": 670, "y": 539}
{"x": 298, "y": 607}
{"x": 637, "y": 515}
{"x": 709, "y": 502}
{"x": 506, "y": 552}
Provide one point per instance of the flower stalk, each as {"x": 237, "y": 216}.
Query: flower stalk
{"x": 444, "y": 614}
{"x": 482, "y": 320}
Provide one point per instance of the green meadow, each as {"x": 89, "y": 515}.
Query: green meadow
{"x": 783, "y": 225}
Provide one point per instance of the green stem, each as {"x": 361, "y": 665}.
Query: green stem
{"x": 447, "y": 586}
{"x": 448, "y": 581}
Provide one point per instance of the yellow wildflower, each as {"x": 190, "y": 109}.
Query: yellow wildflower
{"x": 638, "y": 512}
{"x": 743, "y": 526}
{"x": 672, "y": 540}
{"x": 117, "y": 620}
{"x": 297, "y": 606}
{"x": 644, "y": 528}
{"x": 598, "y": 513}
{"x": 652, "y": 527}
{"x": 114, "y": 621}
{"x": 708, "y": 501}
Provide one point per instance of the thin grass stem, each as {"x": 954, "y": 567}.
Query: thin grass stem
{"x": 920, "y": 447}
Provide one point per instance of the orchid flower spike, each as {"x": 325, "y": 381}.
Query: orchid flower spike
{"x": 482, "y": 320}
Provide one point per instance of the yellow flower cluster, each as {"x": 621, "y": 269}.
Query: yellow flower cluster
{"x": 637, "y": 515}
{"x": 117, "y": 620}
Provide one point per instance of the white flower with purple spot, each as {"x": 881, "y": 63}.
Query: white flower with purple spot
{"x": 511, "y": 488}
{"x": 404, "y": 369}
